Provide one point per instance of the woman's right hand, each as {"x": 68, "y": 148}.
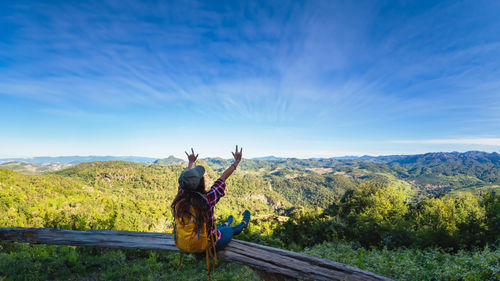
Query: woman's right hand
{"x": 237, "y": 158}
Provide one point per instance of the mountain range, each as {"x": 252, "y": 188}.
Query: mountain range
{"x": 172, "y": 159}
{"x": 430, "y": 171}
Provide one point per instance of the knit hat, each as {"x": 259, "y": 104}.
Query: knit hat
{"x": 190, "y": 179}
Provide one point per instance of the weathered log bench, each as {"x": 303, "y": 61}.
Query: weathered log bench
{"x": 270, "y": 263}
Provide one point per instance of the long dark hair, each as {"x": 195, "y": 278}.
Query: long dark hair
{"x": 183, "y": 202}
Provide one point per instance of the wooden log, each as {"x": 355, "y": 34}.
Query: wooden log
{"x": 281, "y": 264}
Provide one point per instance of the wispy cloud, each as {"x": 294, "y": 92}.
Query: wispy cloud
{"x": 301, "y": 55}
{"x": 329, "y": 69}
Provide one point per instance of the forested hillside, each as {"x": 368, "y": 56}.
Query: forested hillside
{"x": 433, "y": 174}
{"x": 397, "y": 207}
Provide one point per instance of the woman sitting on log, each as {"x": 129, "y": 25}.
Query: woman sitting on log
{"x": 193, "y": 209}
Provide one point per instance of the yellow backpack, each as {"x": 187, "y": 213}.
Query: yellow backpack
{"x": 191, "y": 237}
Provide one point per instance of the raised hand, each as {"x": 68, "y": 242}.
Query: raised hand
{"x": 237, "y": 158}
{"x": 237, "y": 155}
{"x": 191, "y": 158}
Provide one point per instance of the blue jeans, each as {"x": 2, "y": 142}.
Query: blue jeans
{"x": 227, "y": 233}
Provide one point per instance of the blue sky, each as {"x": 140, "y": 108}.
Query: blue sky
{"x": 285, "y": 78}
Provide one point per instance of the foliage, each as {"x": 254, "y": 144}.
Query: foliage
{"x": 385, "y": 203}
{"x": 306, "y": 228}
{"x": 415, "y": 264}
{"x": 116, "y": 195}
{"x": 375, "y": 214}
{"x": 451, "y": 222}
{"x": 312, "y": 190}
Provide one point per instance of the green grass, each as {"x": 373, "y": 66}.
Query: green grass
{"x": 19, "y": 261}
{"x": 415, "y": 264}
{"x": 46, "y": 262}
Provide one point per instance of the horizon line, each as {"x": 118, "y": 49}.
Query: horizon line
{"x": 249, "y": 158}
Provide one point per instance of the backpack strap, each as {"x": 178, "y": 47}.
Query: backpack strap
{"x": 207, "y": 253}
{"x": 214, "y": 240}
{"x": 202, "y": 195}
{"x": 180, "y": 262}
{"x": 211, "y": 252}
{"x": 196, "y": 223}
{"x": 173, "y": 225}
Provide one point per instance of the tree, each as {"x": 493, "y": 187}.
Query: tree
{"x": 374, "y": 212}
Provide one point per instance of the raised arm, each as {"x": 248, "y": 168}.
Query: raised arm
{"x": 191, "y": 158}
{"x": 237, "y": 158}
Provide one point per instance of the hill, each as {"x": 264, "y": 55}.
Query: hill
{"x": 170, "y": 160}
{"x": 269, "y": 158}
{"x": 119, "y": 195}
{"x": 431, "y": 173}
{"x": 480, "y": 165}
{"x": 32, "y": 168}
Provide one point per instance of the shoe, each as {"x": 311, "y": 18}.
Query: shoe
{"x": 229, "y": 220}
{"x": 246, "y": 218}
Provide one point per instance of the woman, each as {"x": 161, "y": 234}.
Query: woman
{"x": 191, "y": 196}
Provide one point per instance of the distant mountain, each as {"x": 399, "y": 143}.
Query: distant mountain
{"x": 270, "y": 158}
{"x": 430, "y": 170}
{"x": 464, "y": 158}
{"x": 78, "y": 159}
{"x": 170, "y": 160}
{"x": 424, "y": 158}
{"x": 384, "y": 158}
{"x": 479, "y": 165}
{"x": 352, "y": 157}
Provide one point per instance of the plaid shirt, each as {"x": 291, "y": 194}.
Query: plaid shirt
{"x": 213, "y": 196}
